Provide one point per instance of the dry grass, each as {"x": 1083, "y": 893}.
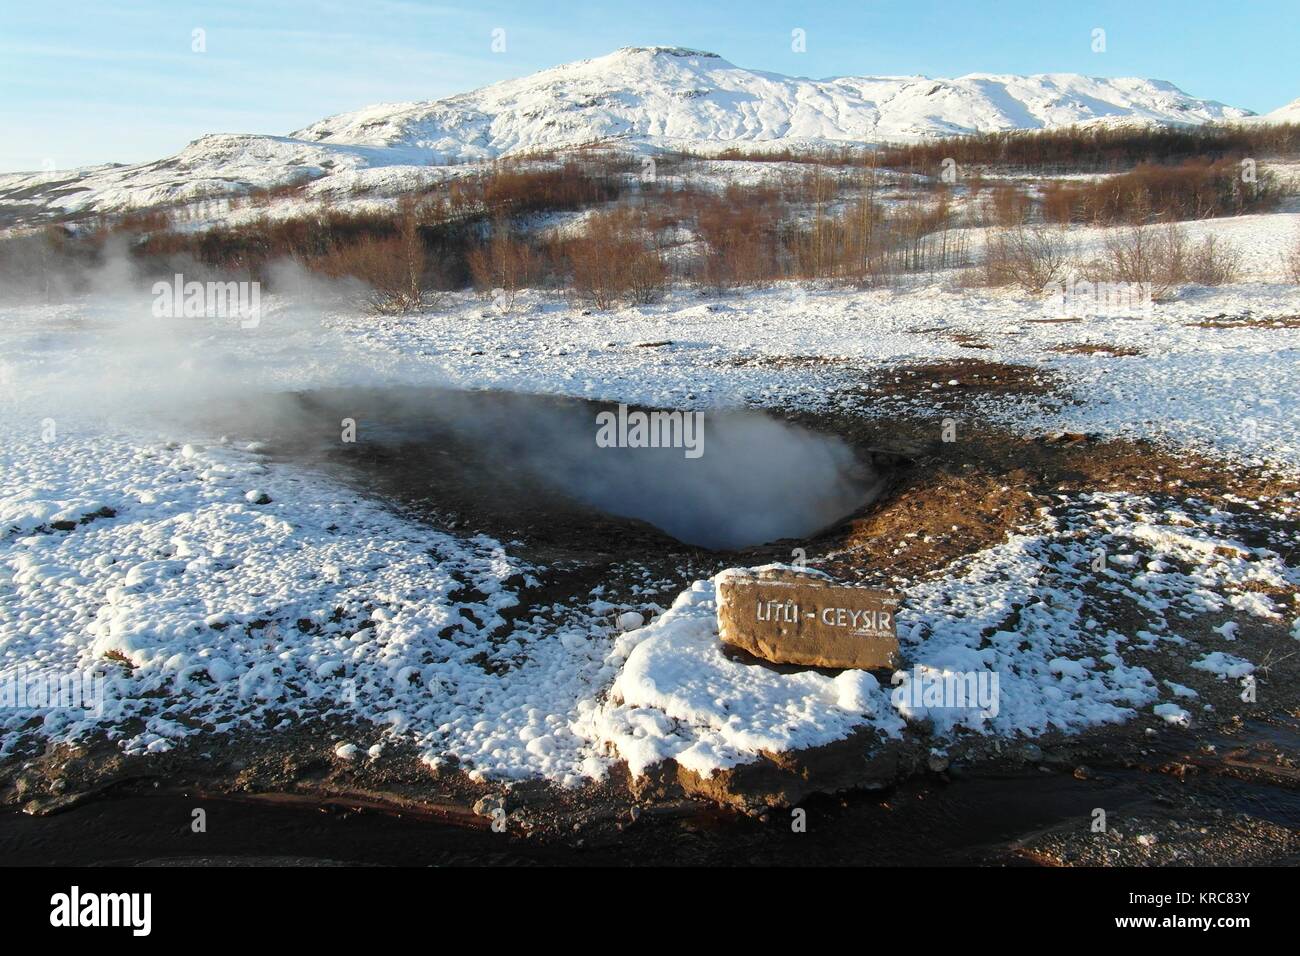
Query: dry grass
{"x": 1097, "y": 348}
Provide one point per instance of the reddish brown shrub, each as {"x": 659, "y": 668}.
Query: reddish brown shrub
{"x": 1197, "y": 189}
{"x": 505, "y": 265}
{"x": 1007, "y": 205}
{"x": 613, "y": 261}
{"x": 396, "y": 268}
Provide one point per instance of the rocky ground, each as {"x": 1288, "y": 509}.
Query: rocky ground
{"x": 1217, "y": 788}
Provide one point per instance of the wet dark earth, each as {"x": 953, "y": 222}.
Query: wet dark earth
{"x": 1238, "y": 805}
{"x": 526, "y": 471}
{"x": 531, "y": 469}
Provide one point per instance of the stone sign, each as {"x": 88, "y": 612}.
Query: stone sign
{"x": 791, "y": 618}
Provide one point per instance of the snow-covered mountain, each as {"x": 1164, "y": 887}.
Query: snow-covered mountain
{"x": 643, "y": 98}
{"x": 1284, "y": 114}
{"x": 670, "y": 96}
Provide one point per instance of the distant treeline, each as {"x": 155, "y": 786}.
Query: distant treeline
{"x": 1195, "y": 189}
{"x": 638, "y": 232}
{"x": 1072, "y": 149}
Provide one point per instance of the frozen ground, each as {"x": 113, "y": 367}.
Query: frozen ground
{"x": 133, "y": 541}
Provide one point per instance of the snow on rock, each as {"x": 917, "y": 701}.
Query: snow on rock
{"x": 678, "y": 695}
{"x": 1224, "y": 665}
{"x": 1173, "y": 714}
{"x": 346, "y": 751}
{"x": 630, "y": 620}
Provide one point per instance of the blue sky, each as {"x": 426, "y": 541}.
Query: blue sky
{"x": 97, "y": 80}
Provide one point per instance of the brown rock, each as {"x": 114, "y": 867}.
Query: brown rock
{"x": 792, "y": 618}
{"x": 861, "y": 761}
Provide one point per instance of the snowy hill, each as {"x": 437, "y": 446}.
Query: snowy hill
{"x": 1283, "y": 114}
{"x": 643, "y": 98}
{"x": 669, "y": 96}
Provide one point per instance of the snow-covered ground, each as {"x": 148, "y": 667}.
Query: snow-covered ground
{"x": 1228, "y": 390}
{"x": 221, "y": 587}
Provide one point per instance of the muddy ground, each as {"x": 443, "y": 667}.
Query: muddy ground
{"x": 1225, "y": 791}
{"x": 1184, "y": 799}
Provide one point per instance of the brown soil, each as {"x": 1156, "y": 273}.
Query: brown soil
{"x": 1094, "y": 348}
{"x": 952, "y": 385}
{"x": 968, "y": 341}
{"x": 1249, "y": 322}
{"x": 789, "y": 361}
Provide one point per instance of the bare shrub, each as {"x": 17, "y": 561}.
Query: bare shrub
{"x": 1072, "y": 149}
{"x": 1213, "y": 262}
{"x": 1097, "y": 149}
{"x": 595, "y": 280}
{"x": 647, "y": 276}
{"x": 1057, "y": 203}
{"x": 1153, "y": 256}
{"x": 396, "y": 268}
{"x": 867, "y": 244}
{"x": 920, "y": 236}
{"x": 1163, "y": 257}
{"x": 503, "y": 266}
{"x": 262, "y": 198}
{"x": 1292, "y": 260}
{"x": 582, "y": 180}
{"x": 612, "y": 262}
{"x": 1195, "y": 189}
{"x": 1031, "y": 257}
{"x": 1007, "y": 205}
{"x": 741, "y": 238}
